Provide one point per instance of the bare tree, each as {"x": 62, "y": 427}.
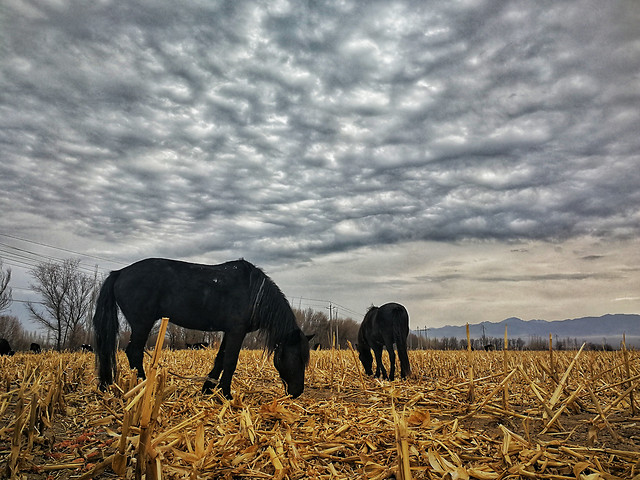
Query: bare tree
{"x": 66, "y": 294}
{"x": 10, "y": 329}
{"x": 312, "y": 321}
{"x": 5, "y": 290}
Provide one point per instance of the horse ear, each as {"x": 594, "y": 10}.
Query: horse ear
{"x": 309, "y": 337}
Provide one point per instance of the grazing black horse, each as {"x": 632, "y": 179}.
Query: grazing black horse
{"x": 234, "y": 297}
{"x": 35, "y": 348}
{"x": 85, "y": 347}
{"x": 382, "y": 327}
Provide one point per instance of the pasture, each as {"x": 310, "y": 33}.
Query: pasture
{"x": 463, "y": 415}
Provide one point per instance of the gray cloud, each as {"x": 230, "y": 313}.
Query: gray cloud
{"x": 288, "y": 131}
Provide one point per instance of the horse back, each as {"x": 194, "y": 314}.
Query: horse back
{"x": 388, "y": 323}
{"x": 204, "y": 297}
{"x": 398, "y": 318}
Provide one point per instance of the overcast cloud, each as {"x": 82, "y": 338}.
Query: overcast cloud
{"x": 473, "y": 160}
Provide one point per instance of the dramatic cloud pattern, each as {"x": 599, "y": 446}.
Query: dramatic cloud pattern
{"x": 474, "y": 160}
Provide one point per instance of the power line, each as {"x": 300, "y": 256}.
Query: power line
{"x": 314, "y": 302}
{"x": 27, "y": 301}
{"x": 63, "y": 249}
{"x": 21, "y": 288}
{"x": 26, "y": 258}
{"x": 21, "y": 258}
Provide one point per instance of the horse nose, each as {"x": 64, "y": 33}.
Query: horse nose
{"x": 295, "y": 392}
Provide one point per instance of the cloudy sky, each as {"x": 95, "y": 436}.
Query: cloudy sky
{"x": 472, "y": 160}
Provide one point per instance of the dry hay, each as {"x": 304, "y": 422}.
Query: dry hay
{"x": 530, "y": 420}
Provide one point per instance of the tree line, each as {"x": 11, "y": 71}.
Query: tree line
{"x": 68, "y": 298}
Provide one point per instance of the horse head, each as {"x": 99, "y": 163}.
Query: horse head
{"x": 366, "y": 358}
{"x": 291, "y": 357}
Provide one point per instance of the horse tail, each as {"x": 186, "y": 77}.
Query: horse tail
{"x": 400, "y": 322}
{"x": 105, "y": 324}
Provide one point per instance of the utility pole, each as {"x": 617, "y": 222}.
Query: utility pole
{"x": 332, "y": 326}
{"x": 337, "y": 328}
{"x": 92, "y": 305}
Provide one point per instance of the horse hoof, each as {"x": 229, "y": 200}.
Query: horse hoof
{"x": 209, "y": 387}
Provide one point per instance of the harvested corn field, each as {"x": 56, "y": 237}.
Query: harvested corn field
{"x": 475, "y": 415}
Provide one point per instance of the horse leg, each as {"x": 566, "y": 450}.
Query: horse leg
{"x": 392, "y": 361}
{"x": 230, "y": 359}
{"x": 377, "y": 350}
{"x": 405, "y": 366}
{"x": 209, "y": 384}
{"x": 135, "y": 348}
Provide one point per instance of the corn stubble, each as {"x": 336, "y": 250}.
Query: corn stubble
{"x": 463, "y": 415}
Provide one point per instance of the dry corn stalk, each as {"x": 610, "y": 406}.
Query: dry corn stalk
{"x": 505, "y": 392}
{"x": 325, "y": 434}
{"x": 146, "y": 455}
{"x": 471, "y": 393}
{"x": 402, "y": 434}
{"x": 628, "y": 372}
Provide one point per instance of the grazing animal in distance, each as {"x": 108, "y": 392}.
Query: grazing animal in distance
{"x": 197, "y": 346}
{"x": 234, "y": 297}
{"x": 35, "y": 348}
{"x": 86, "y": 348}
{"x": 5, "y": 348}
{"x": 381, "y": 328}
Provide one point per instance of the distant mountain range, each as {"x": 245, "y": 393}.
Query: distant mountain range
{"x": 607, "y": 328}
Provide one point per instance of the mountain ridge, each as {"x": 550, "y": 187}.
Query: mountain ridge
{"x": 607, "y": 328}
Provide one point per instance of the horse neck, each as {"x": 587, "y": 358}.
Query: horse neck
{"x": 275, "y": 317}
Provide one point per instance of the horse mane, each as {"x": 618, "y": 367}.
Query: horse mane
{"x": 271, "y": 308}
{"x": 371, "y": 312}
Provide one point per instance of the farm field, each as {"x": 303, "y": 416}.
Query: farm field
{"x": 463, "y": 415}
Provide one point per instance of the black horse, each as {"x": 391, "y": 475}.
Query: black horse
{"x": 382, "y": 327}
{"x": 5, "y": 348}
{"x": 234, "y": 297}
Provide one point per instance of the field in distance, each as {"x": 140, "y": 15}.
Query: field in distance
{"x": 462, "y": 415}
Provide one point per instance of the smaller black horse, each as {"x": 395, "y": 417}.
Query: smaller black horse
{"x": 382, "y": 327}
{"x": 35, "y": 348}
